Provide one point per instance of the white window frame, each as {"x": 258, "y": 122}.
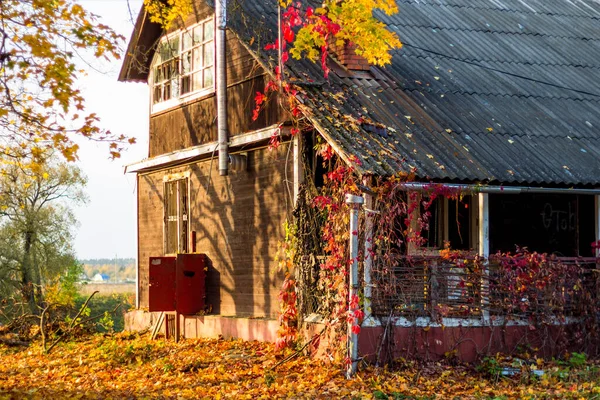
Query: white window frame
{"x": 182, "y": 98}
{"x": 443, "y": 226}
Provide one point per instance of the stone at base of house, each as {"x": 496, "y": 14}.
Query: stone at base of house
{"x": 209, "y": 326}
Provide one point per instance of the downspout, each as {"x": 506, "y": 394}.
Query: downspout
{"x": 354, "y": 202}
{"x": 221, "y": 81}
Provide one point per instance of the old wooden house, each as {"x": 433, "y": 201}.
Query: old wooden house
{"x": 498, "y": 97}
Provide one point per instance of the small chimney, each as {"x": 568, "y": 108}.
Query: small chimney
{"x": 346, "y": 55}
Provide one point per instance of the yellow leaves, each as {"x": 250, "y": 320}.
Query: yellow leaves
{"x": 355, "y": 24}
{"x": 39, "y": 76}
{"x": 359, "y": 26}
{"x": 166, "y": 13}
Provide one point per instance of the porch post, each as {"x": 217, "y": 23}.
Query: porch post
{"x": 484, "y": 250}
{"x": 354, "y": 202}
{"x": 368, "y": 253}
{"x": 597, "y": 222}
{"x": 298, "y": 171}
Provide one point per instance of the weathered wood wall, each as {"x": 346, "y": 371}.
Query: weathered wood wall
{"x": 238, "y": 223}
{"x": 195, "y": 122}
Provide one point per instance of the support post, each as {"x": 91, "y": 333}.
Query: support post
{"x": 368, "y": 265}
{"x": 354, "y": 202}
{"x": 413, "y": 218}
{"x": 484, "y": 251}
{"x": 298, "y": 171}
{"x": 597, "y": 222}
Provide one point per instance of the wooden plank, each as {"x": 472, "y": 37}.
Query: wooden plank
{"x": 157, "y": 325}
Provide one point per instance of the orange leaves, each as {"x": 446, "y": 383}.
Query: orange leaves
{"x": 129, "y": 367}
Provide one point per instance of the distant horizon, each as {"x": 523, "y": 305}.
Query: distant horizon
{"x": 105, "y": 260}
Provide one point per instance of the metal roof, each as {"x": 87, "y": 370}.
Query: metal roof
{"x": 482, "y": 91}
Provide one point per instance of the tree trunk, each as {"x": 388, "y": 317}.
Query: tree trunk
{"x": 27, "y": 280}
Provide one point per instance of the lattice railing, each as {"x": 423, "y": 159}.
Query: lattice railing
{"x": 531, "y": 285}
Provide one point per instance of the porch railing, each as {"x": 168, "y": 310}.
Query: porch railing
{"x": 528, "y": 286}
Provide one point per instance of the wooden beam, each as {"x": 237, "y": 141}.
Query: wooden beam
{"x": 484, "y": 225}
{"x": 597, "y": 221}
{"x": 368, "y": 265}
{"x": 297, "y": 142}
{"x": 484, "y": 251}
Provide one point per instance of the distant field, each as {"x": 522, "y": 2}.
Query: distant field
{"x": 107, "y": 288}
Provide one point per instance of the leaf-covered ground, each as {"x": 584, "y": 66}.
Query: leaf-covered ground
{"x": 125, "y": 366}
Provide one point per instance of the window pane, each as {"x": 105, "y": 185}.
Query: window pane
{"x": 187, "y": 41}
{"x": 197, "y": 58}
{"x": 158, "y": 74}
{"x": 174, "y": 88}
{"x": 208, "y": 54}
{"x": 186, "y": 63}
{"x": 169, "y": 48}
{"x": 157, "y": 95}
{"x": 197, "y": 78}
{"x": 167, "y": 91}
{"x": 209, "y": 32}
{"x": 208, "y": 78}
{"x": 186, "y": 84}
{"x": 198, "y": 34}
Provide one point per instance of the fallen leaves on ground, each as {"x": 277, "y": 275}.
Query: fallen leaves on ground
{"x": 127, "y": 366}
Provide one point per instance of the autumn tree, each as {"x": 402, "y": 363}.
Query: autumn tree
{"x": 41, "y": 44}
{"x": 36, "y": 223}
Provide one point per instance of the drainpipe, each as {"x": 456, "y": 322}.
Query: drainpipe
{"x": 221, "y": 81}
{"x": 354, "y": 202}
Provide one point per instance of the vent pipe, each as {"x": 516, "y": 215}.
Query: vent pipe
{"x": 221, "y": 81}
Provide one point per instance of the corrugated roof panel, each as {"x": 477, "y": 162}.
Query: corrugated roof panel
{"x": 504, "y": 91}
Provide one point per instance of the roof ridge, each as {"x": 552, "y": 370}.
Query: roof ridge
{"x": 491, "y": 60}
{"x": 500, "y": 9}
{"x": 494, "y": 32}
{"x": 511, "y": 95}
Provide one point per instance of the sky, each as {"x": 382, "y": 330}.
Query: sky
{"x": 107, "y": 223}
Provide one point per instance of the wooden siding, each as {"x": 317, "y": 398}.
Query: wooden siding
{"x": 194, "y": 123}
{"x": 238, "y": 224}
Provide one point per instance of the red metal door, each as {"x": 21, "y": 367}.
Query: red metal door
{"x": 191, "y": 291}
{"x": 162, "y": 284}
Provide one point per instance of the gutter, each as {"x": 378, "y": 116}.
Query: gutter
{"x": 498, "y": 189}
{"x": 181, "y": 156}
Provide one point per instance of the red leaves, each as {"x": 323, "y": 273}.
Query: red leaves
{"x": 260, "y": 98}
{"x": 272, "y": 46}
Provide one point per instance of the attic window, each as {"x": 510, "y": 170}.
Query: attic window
{"x": 183, "y": 66}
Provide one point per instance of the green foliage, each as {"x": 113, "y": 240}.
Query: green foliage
{"x": 65, "y": 290}
{"x": 36, "y": 228}
{"x": 577, "y": 360}
{"x": 105, "y": 305}
{"x": 490, "y": 366}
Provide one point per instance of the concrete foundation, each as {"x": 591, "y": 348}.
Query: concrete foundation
{"x": 210, "y": 326}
